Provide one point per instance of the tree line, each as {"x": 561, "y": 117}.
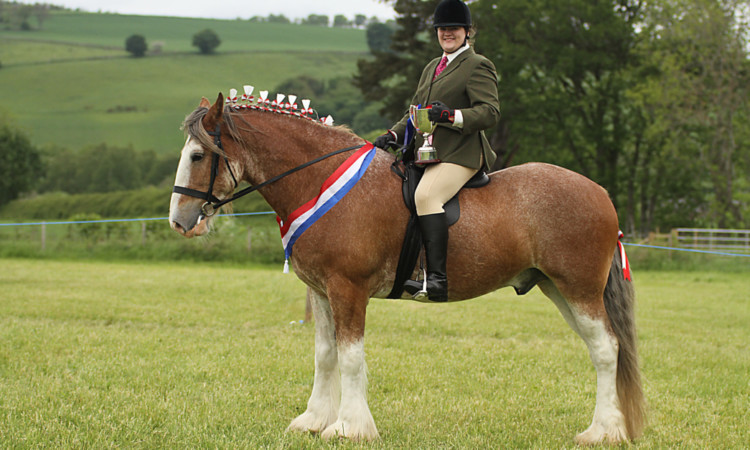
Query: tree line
{"x": 18, "y": 16}
{"x": 649, "y": 99}
{"x": 321, "y": 20}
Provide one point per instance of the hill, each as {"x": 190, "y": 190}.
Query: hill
{"x": 72, "y": 84}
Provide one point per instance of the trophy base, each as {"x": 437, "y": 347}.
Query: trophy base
{"x": 426, "y": 155}
{"x": 426, "y": 161}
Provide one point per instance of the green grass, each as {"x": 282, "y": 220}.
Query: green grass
{"x": 176, "y": 33}
{"x": 63, "y": 85}
{"x": 21, "y": 52}
{"x": 67, "y": 104}
{"x": 184, "y": 355}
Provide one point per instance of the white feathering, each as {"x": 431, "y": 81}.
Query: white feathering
{"x": 248, "y": 90}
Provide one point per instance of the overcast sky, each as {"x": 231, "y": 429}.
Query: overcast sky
{"x": 231, "y": 9}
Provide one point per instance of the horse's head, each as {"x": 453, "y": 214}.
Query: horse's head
{"x": 204, "y": 174}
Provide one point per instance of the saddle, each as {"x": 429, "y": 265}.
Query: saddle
{"x": 410, "y": 174}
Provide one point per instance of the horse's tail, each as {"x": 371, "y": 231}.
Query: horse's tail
{"x": 619, "y": 301}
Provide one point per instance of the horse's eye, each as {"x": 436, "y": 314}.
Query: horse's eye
{"x": 195, "y": 157}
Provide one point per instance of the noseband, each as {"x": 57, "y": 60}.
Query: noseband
{"x": 213, "y": 203}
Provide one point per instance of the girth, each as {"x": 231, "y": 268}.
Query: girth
{"x": 410, "y": 174}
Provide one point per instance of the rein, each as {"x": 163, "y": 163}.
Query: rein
{"x": 213, "y": 203}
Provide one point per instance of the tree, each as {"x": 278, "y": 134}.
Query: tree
{"x": 316, "y": 20}
{"x": 564, "y": 68}
{"x": 278, "y": 18}
{"x": 20, "y": 164}
{"x": 41, "y": 12}
{"x": 136, "y": 45}
{"x": 22, "y": 13}
{"x": 340, "y": 21}
{"x": 698, "y": 48}
{"x": 379, "y": 36}
{"x": 360, "y": 20}
{"x": 206, "y": 40}
{"x": 392, "y": 76}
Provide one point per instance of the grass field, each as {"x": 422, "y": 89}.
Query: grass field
{"x": 74, "y": 104}
{"x": 176, "y": 33}
{"x": 73, "y": 85}
{"x": 177, "y": 355}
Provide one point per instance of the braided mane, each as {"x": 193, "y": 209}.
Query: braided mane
{"x": 235, "y": 121}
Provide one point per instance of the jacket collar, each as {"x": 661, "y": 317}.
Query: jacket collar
{"x": 453, "y": 65}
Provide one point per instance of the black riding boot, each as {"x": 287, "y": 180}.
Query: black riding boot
{"x": 434, "y": 228}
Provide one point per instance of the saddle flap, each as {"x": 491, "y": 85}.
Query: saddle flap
{"x": 412, "y": 244}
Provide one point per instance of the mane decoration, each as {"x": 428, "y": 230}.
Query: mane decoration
{"x": 279, "y": 106}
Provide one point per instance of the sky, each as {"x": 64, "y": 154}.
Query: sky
{"x": 232, "y": 9}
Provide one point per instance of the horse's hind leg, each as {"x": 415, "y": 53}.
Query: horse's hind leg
{"x": 591, "y": 324}
{"x": 323, "y": 406}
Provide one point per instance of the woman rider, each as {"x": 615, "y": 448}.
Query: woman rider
{"x": 461, "y": 89}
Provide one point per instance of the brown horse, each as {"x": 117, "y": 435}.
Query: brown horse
{"x": 532, "y": 224}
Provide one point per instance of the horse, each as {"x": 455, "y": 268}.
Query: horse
{"x": 533, "y": 224}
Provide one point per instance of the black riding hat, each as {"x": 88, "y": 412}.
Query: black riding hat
{"x": 452, "y": 13}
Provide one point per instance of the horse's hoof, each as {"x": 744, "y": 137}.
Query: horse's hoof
{"x": 339, "y": 430}
{"x": 597, "y": 434}
{"x": 309, "y": 422}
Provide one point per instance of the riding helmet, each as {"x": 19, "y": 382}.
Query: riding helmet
{"x": 452, "y": 13}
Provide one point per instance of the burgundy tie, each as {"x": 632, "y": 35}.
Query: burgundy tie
{"x": 441, "y": 66}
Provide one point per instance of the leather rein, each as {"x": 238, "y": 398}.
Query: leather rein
{"x": 213, "y": 203}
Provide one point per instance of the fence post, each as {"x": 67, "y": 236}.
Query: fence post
{"x": 672, "y": 240}
{"x": 44, "y": 236}
{"x": 143, "y": 233}
{"x": 249, "y": 239}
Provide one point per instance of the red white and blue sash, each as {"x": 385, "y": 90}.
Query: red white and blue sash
{"x": 333, "y": 190}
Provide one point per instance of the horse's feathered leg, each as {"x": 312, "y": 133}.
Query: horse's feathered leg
{"x": 591, "y": 325}
{"x": 349, "y": 304}
{"x": 323, "y": 405}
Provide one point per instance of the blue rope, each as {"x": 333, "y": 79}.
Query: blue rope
{"x": 119, "y": 220}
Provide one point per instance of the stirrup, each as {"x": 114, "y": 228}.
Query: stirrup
{"x": 417, "y": 293}
{"x": 422, "y": 293}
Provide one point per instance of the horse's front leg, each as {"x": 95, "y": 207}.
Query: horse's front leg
{"x": 323, "y": 405}
{"x": 349, "y": 305}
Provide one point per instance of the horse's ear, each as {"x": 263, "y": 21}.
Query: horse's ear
{"x": 204, "y": 103}
{"x": 216, "y": 111}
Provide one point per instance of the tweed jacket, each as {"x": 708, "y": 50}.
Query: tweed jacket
{"x": 468, "y": 83}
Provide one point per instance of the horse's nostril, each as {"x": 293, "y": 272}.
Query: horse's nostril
{"x": 177, "y": 227}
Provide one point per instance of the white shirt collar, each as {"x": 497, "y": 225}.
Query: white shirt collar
{"x": 453, "y": 55}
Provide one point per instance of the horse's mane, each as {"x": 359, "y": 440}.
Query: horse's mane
{"x": 236, "y": 122}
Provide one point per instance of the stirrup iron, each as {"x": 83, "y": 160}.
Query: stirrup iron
{"x": 422, "y": 294}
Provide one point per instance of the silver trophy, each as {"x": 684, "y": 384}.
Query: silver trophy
{"x": 426, "y": 153}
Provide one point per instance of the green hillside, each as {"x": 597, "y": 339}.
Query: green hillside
{"x": 175, "y": 33}
{"x": 72, "y": 84}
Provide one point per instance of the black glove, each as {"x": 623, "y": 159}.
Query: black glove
{"x": 385, "y": 141}
{"x": 439, "y": 112}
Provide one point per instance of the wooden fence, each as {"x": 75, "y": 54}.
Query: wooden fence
{"x": 711, "y": 239}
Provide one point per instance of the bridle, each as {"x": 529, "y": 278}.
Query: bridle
{"x": 213, "y": 203}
